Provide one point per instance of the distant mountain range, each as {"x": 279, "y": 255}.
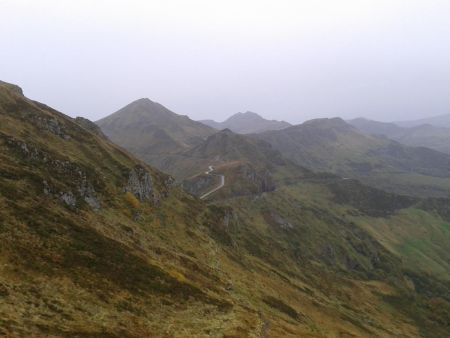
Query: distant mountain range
{"x": 183, "y": 147}
{"x": 422, "y": 135}
{"x": 332, "y": 145}
{"x": 247, "y": 123}
{"x": 437, "y": 121}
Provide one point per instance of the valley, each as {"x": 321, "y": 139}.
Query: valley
{"x": 224, "y": 169}
{"x": 98, "y": 243}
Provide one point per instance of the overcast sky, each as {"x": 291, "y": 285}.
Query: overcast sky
{"x": 291, "y": 60}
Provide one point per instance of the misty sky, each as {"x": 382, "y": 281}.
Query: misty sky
{"x": 291, "y": 60}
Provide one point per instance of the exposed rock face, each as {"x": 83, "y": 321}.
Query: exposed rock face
{"x": 261, "y": 179}
{"x": 80, "y": 181}
{"x": 68, "y": 198}
{"x": 51, "y": 125}
{"x": 140, "y": 184}
{"x": 88, "y": 193}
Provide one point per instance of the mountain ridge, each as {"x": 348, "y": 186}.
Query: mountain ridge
{"x": 332, "y": 145}
{"x": 247, "y": 123}
{"x": 437, "y": 121}
{"x": 422, "y": 135}
{"x": 96, "y": 243}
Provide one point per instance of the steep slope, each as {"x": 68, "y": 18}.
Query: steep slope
{"x": 425, "y": 135}
{"x": 323, "y": 223}
{"x": 247, "y": 123}
{"x": 81, "y": 255}
{"x": 442, "y": 121}
{"x": 97, "y": 244}
{"x": 149, "y": 130}
{"x": 334, "y": 146}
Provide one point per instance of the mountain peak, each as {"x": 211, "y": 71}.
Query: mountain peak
{"x": 143, "y": 100}
{"x": 247, "y": 123}
{"x": 140, "y": 109}
{"x": 246, "y": 114}
{"x": 148, "y": 129}
{"x": 143, "y": 103}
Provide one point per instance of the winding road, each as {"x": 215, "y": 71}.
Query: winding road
{"x": 222, "y": 182}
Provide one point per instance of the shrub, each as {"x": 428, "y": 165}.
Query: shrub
{"x": 132, "y": 201}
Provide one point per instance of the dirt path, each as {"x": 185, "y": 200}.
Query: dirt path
{"x": 221, "y": 184}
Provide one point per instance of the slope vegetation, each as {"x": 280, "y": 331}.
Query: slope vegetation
{"x": 334, "y": 146}
{"x": 97, "y": 244}
{"x": 148, "y": 130}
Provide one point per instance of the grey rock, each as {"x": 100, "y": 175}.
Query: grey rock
{"x": 87, "y": 192}
{"x": 140, "y": 184}
{"x": 68, "y": 198}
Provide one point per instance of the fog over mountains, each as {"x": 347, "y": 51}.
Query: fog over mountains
{"x": 425, "y": 133}
{"x": 256, "y": 235}
{"x": 247, "y": 123}
{"x": 224, "y": 169}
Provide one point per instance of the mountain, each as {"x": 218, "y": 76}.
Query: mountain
{"x": 226, "y": 146}
{"x": 424, "y": 135}
{"x": 149, "y": 130}
{"x": 95, "y": 243}
{"x": 442, "y": 121}
{"x": 332, "y": 145}
{"x": 247, "y": 123}
{"x": 249, "y": 165}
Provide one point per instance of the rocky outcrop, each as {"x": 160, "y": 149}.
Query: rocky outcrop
{"x": 80, "y": 186}
{"x": 68, "y": 198}
{"x": 48, "y": 124}
{"x": 261, "y": 179}
{"x": 87, "y": 192}
{"x": 140, "y": 184}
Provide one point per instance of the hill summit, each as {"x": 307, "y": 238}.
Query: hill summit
{"x": 148, "y": 129}
{"x": 247, "y": 123}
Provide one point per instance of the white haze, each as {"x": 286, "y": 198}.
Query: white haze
{"x": 291, "y": 60}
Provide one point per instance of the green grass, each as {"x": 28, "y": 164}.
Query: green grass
{"x": 187, "y": 269}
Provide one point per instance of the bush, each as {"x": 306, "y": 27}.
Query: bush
{"x": 132, "y": 201}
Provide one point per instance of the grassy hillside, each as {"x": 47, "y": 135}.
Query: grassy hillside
{"x": 97, "y": 244}
{"x": 306, "y": 228}
{"x": 148, "y": 130}
{"x": 332, "y": 145}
